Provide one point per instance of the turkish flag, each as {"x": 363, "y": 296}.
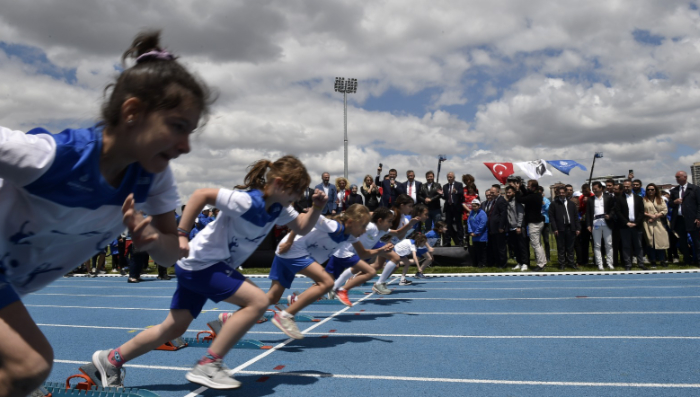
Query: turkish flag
{"x": 501, "y": 170}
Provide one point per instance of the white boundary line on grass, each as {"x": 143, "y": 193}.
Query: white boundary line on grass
{"x": 418, "y": 379}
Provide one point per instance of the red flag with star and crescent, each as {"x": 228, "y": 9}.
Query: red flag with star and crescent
{"x": 501, "y": 170}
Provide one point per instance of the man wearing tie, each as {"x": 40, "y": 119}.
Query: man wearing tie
{"x": 497, "y": 213}
{"x": 685, "y": 219}
{"x": 390, "y": 189}
{"x": 429, "y": 194}
{"x": 331, "y": 193}
{"x": 411, "y": 187}
{"x": 453, "y": 194}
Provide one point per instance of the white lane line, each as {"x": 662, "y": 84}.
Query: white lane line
{"x": 422, "y": 335}
{"x": 281, "y": 345}
{"x": 542, "y": 299}
{"x": 417, "y": 379}
{"x": 434, "y": 299}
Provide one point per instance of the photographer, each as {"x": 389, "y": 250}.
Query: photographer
{"x": 534, "y": 221}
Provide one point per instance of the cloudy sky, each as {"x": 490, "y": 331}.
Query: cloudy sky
{"x": 478, "y": 81}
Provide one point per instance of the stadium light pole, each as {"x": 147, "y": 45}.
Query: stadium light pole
{"x": 348, "y": 86}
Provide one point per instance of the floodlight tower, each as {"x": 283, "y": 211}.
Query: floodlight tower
{"x": 348, "y": 86}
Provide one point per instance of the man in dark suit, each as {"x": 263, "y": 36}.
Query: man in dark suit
{"x": 453, "y": 194}
{"x": 629, "y": 211}
{"x": 497, "y": 213}
{"x": 390, "y": 188}
{"x": 429, "y": 194}
{"x": 563, "y": 220}
{"x": 411, "y": 187}
{"x": 599, "y": 211}
{"x": 331, "y": 193}
{"x": 685, "y": 217}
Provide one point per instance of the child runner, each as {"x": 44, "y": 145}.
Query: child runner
{"x": 400, "y": 227}
{"x": 81, "y": 187}
{"x": 207, "y": 269}
{"x": 419, "y": 212}
{"x": 407, "y": 249}
{"x": 303, "y": 254}
{"x": 433, "y": 236}
{"x": 346, "y": 260}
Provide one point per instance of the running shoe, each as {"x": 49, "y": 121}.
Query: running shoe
{"x": 405, "y": 282}
{"x": 224, "y": 316}
{"x": 331, "y": 295}
{"x": 381, "y": 289}
{"x": 342, "y": 296}
{"x": 213, "y": 375}
{"x": 287, "y": 325}
{"x": 110, "y": 375}
{"x": 516, "y": 267}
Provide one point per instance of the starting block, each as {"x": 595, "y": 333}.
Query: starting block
{"x": 90, "y": 387}
{"x": 205, "y": 341}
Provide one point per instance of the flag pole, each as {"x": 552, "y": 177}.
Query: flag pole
{"x": 441, "y": 158}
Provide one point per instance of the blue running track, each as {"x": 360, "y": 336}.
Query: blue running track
{"x": 616, "y": 334}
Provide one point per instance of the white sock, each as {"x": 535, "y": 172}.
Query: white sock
{"x": 388, "y": 269}
{"x": 284, "y": 314}
{"x": 344, "y": 277}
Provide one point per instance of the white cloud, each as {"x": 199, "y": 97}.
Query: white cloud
{"x": 576, "y": 80}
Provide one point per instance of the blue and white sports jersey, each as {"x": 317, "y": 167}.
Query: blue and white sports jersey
{"x": 241, "y": 226}
{"x": 405, "y": 247}
{"x": 433, "y": 237}
{"x": 57, "y": 209}
{"x": 369, "y": 239}
{"x": 402, "y": 222}
{"x": 320, "y": 243}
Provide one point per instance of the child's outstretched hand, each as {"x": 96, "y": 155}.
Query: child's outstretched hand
{"x": 143, "y": 235}
{"x": 319, "y": 198}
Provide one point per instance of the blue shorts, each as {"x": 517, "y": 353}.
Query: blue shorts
{"x": 216, "y": 282}
{"x": 336, "y": 266}
{"x": 421, "y": 251}
{"x": 283, "y": 270}
{"x": 8, "y": 295}
{"x": 379, "y": 244}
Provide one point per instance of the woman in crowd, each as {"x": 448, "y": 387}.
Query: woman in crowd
{"x": 371, "y": 193}
{"x": 655, "y": 211}
{"x": 341, "y": 184}
{"x": 353, "y": 197}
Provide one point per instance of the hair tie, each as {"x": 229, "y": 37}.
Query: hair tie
{"x": 155, "y": 54}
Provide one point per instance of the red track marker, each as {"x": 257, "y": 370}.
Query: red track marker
{"x": 263, "y": 379}
{"x": 279, "y": 367}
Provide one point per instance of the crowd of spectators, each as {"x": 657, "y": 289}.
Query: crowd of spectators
{"x": 624, "y": 224}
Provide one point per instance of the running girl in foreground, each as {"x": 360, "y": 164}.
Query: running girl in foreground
{"x": 207, "y": 269}
{"x": 303, "y": 254}
{"x": 80, "y": 188}
{"x": 348, "y": 258}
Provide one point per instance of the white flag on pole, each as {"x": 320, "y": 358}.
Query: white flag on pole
{"x": 534, "y": 169}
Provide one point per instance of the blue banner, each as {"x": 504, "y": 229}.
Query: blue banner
{"x": 565, "y": 166}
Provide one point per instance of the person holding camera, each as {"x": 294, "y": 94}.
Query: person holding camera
{"x": 534, "y": 221}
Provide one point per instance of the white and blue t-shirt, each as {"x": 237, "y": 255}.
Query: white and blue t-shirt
{"x": 402, "y": 222}
{"x": 432, "y": 237}
{"x": 320, "y": 243}
{"x": 368, "y": 240}
{"x": 242, "y": 224}
{"x": 56, "y": 208}
{"x": 405, "y": 247}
